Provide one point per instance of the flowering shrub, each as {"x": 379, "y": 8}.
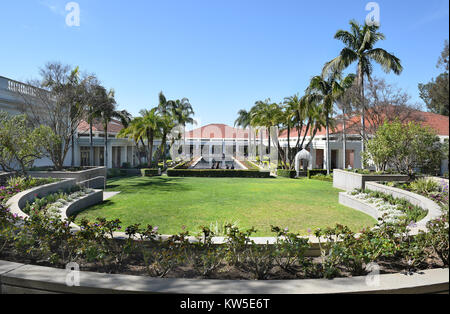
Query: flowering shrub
{"x": 18, "y": 184}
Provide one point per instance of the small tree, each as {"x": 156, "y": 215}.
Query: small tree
{"x": 404, "y": 147}
{"x": 20, "y": 145}
{"x": 56, "y": 100}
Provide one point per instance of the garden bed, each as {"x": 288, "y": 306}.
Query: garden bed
{"x": 343, "y": 254}
{"x": 81, "y": 174}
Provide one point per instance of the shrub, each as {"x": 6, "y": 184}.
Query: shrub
{"x": 150, "y": 172}
{"x": 322, "y": 177}
{"x": 424, "y": 186}
{"x": 314, "y": 172}
{"x": 287, "y": 173}
{"x": 126, "y": 165}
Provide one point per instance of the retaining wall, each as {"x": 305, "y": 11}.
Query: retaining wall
{"x": 348, "y": 181}
{"x": 79, "y": 176}
{"x": 18, "y": 278}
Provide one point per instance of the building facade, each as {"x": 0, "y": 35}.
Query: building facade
{"x": 213, "y": 141}
{"x": 119, "y": 151}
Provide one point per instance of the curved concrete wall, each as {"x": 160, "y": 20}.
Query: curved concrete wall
{"x": 79, "y": 176}
{"x": 19, "y": 278}
{"x": 19, "y": 201}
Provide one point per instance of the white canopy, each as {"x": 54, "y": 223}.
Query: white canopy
{"x": 302, "y": 155}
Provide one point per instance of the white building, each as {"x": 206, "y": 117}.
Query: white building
{"x": 119, "y": 150}
{"x": 212, "y": 141}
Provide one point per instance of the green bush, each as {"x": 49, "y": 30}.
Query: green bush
{"x": 322, "y": 177}
{"x": 217, "y": 173}
{"x": 313, "y": 172}
{"x": 113, "y": 173}
{"x": 150, "y": 172}
{"x": 287, "y": 173}
{"x": 424, "y": 186}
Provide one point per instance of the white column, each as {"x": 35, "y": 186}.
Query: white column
{"x": 110, "y": 156}
{"x": 123, "y": 155}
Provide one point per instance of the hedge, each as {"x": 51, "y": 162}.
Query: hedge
{"x": 313, "y": 172}
{"x": 150, "y": 172}
{"x": 287, "y": 173}
{"x": 291, "y": 173}
{"x": 217, "y": 173}
{"x": 114, "y": 172}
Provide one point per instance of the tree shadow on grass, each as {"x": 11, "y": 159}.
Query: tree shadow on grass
{"x": 153, "y": 185}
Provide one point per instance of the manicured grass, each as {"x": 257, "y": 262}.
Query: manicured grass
{"x": 171, "y": 203}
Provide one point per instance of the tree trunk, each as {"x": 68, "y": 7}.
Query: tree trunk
{"x": 344, "y": 139}
{"x": 328, "y": 143}
{"x": 150, "y": 150}
{"x": 106, "y": 145}
{"x": 72, "y": 163}
{"x": 363, "y": 120}
{"x": 91, "y": 145}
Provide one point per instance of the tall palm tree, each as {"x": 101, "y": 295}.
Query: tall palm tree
{"x": 166, "y": 125}
{"x": 107, "y": 111}
{"x": 183, "y": 114}
{"x": 292, "y": 117}
{"x": 89, "y": 91}
{"x": 149, "y": 128}
{"x": 359, "y": 47}
{"x": 327, "y": 91}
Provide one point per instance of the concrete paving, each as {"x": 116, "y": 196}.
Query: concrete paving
{"x": 108, "y": 195}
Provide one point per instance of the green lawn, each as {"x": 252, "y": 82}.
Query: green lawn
{"x": 171, "y": 203}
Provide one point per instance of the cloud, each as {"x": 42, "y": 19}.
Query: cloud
{"x": 56, "y": 7}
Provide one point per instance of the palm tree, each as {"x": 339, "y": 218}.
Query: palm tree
{"x": 107, "y": 111}
{"x": 359, "y": 47}
{"x": 183, "y": 114}
{"x": 166, "y": 124}
{"x": 292, "y": 107}
{"x": 243, "y": 119}
{"x": 149, "y": 128}
{"x": 90, "y": 90}
{"x": 326, "y": 92}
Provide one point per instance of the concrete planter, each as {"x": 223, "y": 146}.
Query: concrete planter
{"x": 91, "y": 174}
{"x": 19, "y": 201}
{"x": 348, "y": 181}
{"x": 434, "y": 211}
{"x": 19, "y": 279}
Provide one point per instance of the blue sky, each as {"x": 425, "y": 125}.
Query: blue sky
{"x": 221, "y": 54}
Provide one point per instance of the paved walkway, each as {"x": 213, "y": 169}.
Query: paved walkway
{"x": 108, "y": 195}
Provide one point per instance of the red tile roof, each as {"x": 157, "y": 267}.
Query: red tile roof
{"x": 113, "y": 127}
{"x": 217, "y": 131}
{"x": 437, "y": 122}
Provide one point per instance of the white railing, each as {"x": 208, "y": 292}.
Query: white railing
{"x": 21, "y": 88}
